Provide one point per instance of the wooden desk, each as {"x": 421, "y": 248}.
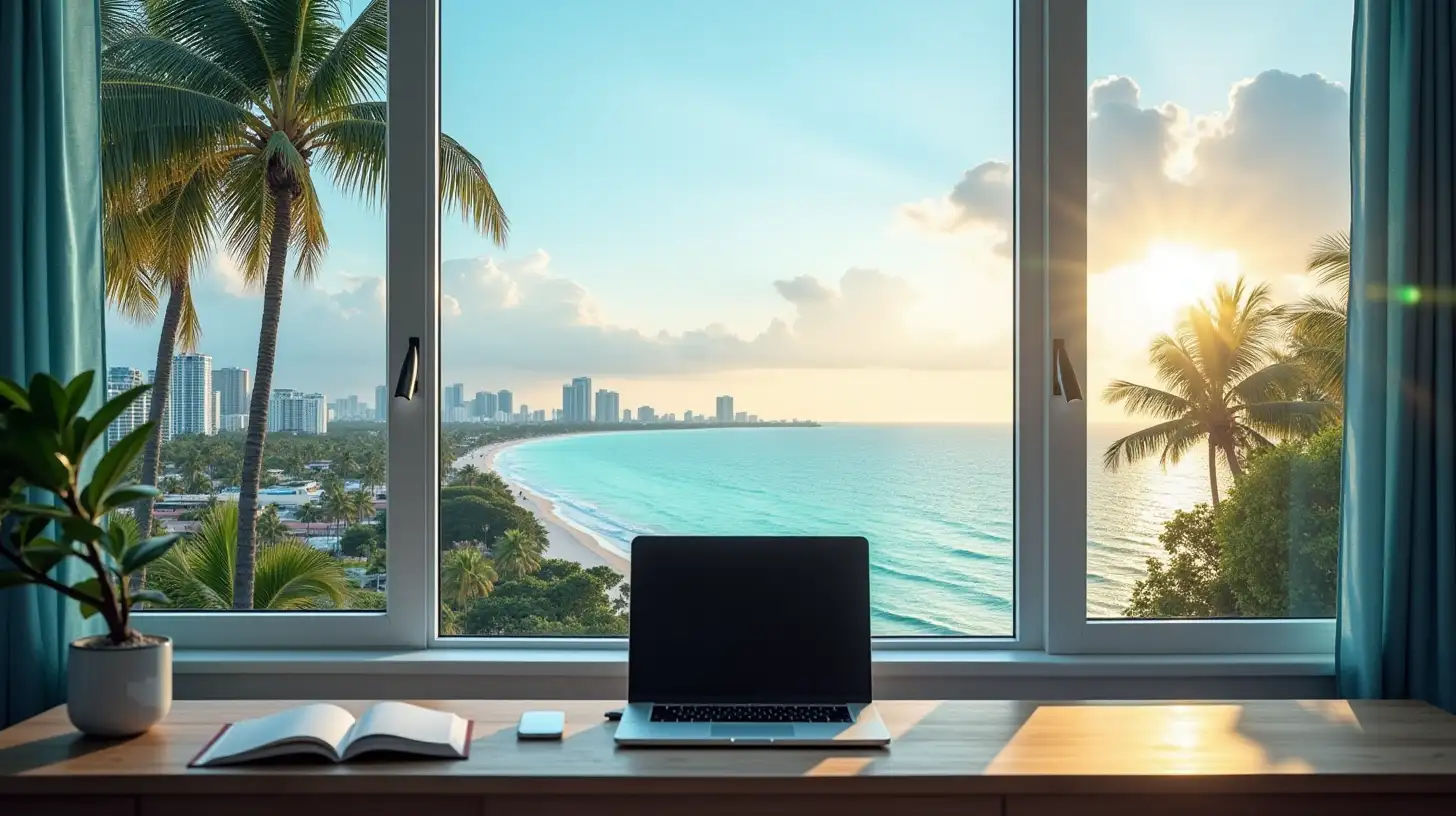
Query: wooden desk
{"x": 967, "y": 758}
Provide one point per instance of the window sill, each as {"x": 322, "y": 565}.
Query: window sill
{"x": 612, "y": 663}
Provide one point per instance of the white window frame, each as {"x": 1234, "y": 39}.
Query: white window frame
{"x": 1050, "y": 593}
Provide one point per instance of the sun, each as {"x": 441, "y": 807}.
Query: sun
{"x": 1139, "y": 299}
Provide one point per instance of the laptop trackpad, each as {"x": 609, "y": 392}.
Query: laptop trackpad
{"x": 753, "y": 730}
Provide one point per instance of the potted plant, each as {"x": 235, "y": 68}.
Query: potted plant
{"x": 120, "y": 682}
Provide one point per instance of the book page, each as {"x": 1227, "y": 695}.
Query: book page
{"x": 411, "y": 723}
{"x": 318, "y": 722}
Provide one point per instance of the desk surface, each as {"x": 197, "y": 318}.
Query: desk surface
{"x": 951, "y": 748}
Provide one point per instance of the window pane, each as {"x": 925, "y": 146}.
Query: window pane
{"x": 190, "y": 214}
{"x": 767, "y": 246}
{"x": 1218, "y": 164}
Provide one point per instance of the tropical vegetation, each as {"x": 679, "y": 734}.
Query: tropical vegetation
{"x": 198, "y": 573}
{"x": 221, "y": 111}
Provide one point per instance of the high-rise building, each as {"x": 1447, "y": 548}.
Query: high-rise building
{"x": 687, "y": 416}
{"x": 381, "y": 404}
{"x": 214, "y": 412}
{"x": 190, "y": 403}
{"x": 609, "y": 406}
{"x": 235, "y": 387}
{"x": 753, "y": 419}
{"x": 626, "y": 414}
{"x": 576, "y": 397}
{"x": 118, "y": 380}
{"x": 232, "y": 423}
{"x": 352, "y": 409}
{"x": 454, "y": 396}
{"x": 538, "y": 415}
{"x": 725, "y": 409}
{"x": 486, "y": 404}
{"x": 646, "y": 414}
{"x": 297, "y": 412}
{"x": 505, "y": 402}
{"x": 458, "y": 413}
{"x": 741, "y": 416}
{"x": 556, "y": 415}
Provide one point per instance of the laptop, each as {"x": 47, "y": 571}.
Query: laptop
{"x": 750, "y": 641}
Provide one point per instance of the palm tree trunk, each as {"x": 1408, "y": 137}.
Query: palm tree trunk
{"x": 258, "y": 406}
{"x": 1213, "y": 470}
{"x": 161, "y": 391}
{"x": 1232, "y": 455}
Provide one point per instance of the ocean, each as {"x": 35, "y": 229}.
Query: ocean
{"x": 935, "y": 502}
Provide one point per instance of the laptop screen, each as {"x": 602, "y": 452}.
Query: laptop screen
{"x": 750, "y": 620}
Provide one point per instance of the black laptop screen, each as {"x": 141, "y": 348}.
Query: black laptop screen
{"x": 750, "y": 620}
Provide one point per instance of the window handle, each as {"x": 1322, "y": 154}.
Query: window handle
{"x": 409, "y": 372}
{"x": 1064, "y": 377}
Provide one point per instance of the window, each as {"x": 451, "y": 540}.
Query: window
{"x": 803, "y": 268}
{"x": 753, "y": 286}
{"x": 193, "y": 203}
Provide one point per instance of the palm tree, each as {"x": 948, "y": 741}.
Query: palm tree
{"x": 308, "y": 514}
{"x": 1317, "y": 322}
{"x": 362, "y": 505}
{"x": 371, "y": 473}
{"x": 337, "y": 506}
{"x": 271, "y": 528}
{"x": 466, "y": 574}
{"x": 171, "y": 484}
{"x": 257, "y": 92}
{"x": 467, "y": 475}
{"x": 516, "y": 555}
{"x": 198, "y": 573}
{"x": 1222, "y": 385}
{"x": 345, "y": 463}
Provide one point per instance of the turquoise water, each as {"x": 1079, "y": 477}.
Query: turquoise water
{"x": 935, "y": 502}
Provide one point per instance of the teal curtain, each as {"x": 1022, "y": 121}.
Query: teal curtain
{"x": 1397, "y": 606}
{"x": 51, "y": 290}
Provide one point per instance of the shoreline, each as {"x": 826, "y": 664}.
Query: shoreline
{"x": 564, "y": 539}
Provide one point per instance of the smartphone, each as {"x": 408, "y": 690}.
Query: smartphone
{"x": 541, "y": 725}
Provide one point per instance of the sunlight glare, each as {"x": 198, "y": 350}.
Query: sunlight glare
{"x": 1144, "y": 297}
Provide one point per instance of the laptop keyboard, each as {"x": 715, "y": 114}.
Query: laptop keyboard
{"x": 752, "y": 713}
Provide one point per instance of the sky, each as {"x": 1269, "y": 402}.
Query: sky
{"x": 807, "y": 204}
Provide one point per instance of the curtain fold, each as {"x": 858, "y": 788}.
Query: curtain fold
{"x": 1397, "y": 606}
{"x": 51, "y": 289}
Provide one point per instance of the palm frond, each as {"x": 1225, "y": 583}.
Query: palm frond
{"x": 1274, "y": 381}
{"x": 298, "y": 36}
{"x": 309, "y": 241}
{"x": 1143, "y": 399}
{"x": 1317, "y": 320}
{"x": 149, "y": 129}
{"x": 120, "y": 19}
{"x": 166, "y": 61}
{"x": 353, "y": 151}
{"x": 1285, "y": 418}
{"x": 128, "y": 250}
{"x": 1180, "y": 442}
{"x": 463, "y": 185}
{"x": 292, "y": 575}
{"x": 226, "y": 32}
{"x": 247, "y": 209}
{"x": 1329, "y": 262}
{"x": 1175, "y": 365}
{"x": 189, "y": 323}
{"x": 354, "y": 69}
{"x": 1156, "y": 439}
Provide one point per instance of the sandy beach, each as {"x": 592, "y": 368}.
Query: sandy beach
{"x": 563, "y": 540}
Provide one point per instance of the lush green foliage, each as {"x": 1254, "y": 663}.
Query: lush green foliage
{"x": 561, "y": 598}
{"x": 358, "y": 540}
{"x": 1269, "y": 550}
{"x": 56, "y": 508}
{"x": 198, "y": 573}
{"x": 466, "y": 574}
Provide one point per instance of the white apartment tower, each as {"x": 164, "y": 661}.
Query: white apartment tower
{"x": 118, "y": 380}
{"x": 296, "y": 412}
{"x": 190, "y": 404}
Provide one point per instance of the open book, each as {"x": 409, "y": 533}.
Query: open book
{"x": 326, "y": 730}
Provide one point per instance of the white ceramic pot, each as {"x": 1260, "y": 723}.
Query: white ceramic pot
{"x": 118, "y": 692}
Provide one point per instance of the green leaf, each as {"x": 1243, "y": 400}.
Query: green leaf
{"x": 46, "y": 510}
{"x": 77, "y": 390}
{"x": 44, "y": 556}
{"x": 13, "y": 577}
{"x": 152, "y": 596}
{"x": 126, "y": 495}
{"x": 81, "y": 530}
{"x": 49, "y": 403}
{"x": 114, "y": 465}
{"x": 117, "y": 540}
{"x": 91, "y": 588}
{"x": 146, "y": 552}
{"x": 12, "y": 393}
{"x": 108, "y": 413}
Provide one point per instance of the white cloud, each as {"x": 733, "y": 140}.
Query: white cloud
{"x": 1264, "y": 178}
